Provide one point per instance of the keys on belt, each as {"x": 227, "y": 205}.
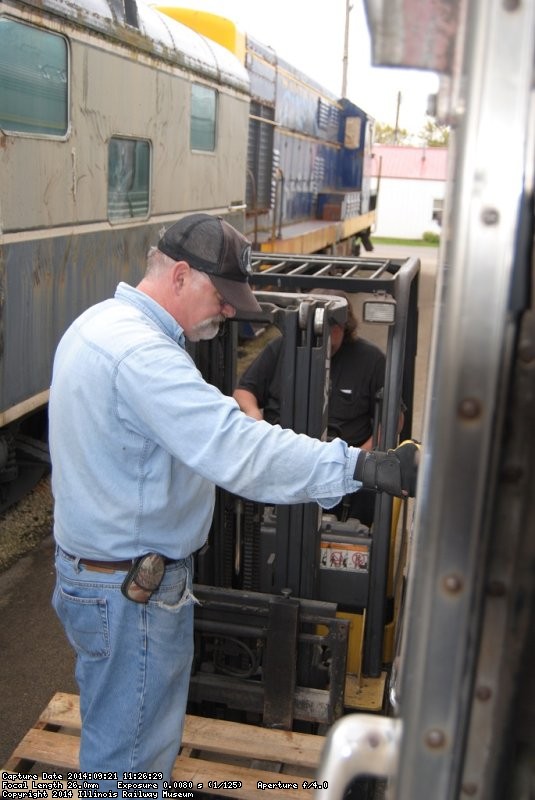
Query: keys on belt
{"x": 143, "y": 574}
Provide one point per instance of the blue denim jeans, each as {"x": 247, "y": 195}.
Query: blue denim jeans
{"x": 133, "y": 664}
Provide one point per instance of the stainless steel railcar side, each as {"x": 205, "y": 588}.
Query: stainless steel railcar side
{"x": 465, "y": 690}
{"x": 110, "y": 127}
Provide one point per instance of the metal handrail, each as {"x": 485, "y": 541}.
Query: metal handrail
{"x": 358, "y": 745}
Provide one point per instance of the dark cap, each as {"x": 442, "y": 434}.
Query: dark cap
{"x": 211, "y": 245}
{"x": 351, "y": 324}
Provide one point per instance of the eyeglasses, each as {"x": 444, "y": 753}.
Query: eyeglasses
{"x": 144, "y": 577}
{"x": 222, "y": 302}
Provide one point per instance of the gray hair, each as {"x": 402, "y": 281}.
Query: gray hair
{"x": 157, "y": 262}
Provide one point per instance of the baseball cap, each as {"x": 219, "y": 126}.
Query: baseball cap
{"x": 211, "y": 245}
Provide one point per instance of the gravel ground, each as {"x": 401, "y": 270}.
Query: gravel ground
{"x": 26, "y": 524}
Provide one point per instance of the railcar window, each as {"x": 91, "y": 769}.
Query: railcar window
{"x": 128, "y": 178}
{"x": 33, "y": 80}
{"x": 203, "y": 117}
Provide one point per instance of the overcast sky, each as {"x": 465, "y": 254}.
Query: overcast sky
{"x": 310, "y": 35}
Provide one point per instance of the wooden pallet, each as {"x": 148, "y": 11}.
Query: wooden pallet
{"x": 212, "y": 750}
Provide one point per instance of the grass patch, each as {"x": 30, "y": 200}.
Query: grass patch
{"x": 405, "y": 242}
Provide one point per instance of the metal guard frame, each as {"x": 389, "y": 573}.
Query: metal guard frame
{"x": 400, "y": 279}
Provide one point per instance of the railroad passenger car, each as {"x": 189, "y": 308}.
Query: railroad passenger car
{"x": 114, "y": 121}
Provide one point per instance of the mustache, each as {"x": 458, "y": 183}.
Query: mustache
{"x": 207, "y": 329}
{"x": 212, "y": 321}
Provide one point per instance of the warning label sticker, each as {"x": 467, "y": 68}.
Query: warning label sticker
{"x": 338, "y": 555}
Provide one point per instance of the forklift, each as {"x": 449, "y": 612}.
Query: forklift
{"x": 298, "y": 611}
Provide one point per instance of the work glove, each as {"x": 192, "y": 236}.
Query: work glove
{"x": 394, "y": 472}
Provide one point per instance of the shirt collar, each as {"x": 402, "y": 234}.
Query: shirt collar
{"x": 128, "y": 294}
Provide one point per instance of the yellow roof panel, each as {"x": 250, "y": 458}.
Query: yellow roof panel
{"x": 218, "y": 29}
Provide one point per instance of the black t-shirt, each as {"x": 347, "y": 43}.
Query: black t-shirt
{"x": 357, "y": 375}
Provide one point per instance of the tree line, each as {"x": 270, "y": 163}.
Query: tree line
{"x": 431, "y": 135}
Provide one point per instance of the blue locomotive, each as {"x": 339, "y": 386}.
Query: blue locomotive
{"x": 309, "y": 152}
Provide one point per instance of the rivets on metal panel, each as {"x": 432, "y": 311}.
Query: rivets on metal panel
{"x": 469, "y": 408}
{"x": 435, "y": 738}
{"x": 374, "y": 740}
{"x": 483, "y": 693}
{"x": 490, "y": 216}
{"x": 453, "y": 584}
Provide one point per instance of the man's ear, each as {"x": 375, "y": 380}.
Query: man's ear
{"x": 179, "y": 274}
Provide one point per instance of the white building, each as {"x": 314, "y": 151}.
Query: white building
{"x": 411, "y": 183}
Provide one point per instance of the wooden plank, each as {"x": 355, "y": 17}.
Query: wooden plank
{"x": 203, "y": 772}
{"x": 63, "y": 709}
{"x": 49, "y": 747}
{"x": 235, "y": 739}
{"x": 61, "y": 751}
{"x": 215, "y": 735}
{"x": 365, "y": 694}
{"x": 216, "y": 739}
{"x": 71, "y": 792}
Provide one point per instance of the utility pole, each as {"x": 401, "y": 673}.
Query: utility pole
{"x": 346, "y": 49}
{"x": 396, "y": 129}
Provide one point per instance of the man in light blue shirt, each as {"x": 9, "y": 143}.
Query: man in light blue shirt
{"x": 138, "y": 442}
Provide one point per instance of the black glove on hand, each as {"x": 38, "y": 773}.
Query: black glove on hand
{"x": 393, "y": 472}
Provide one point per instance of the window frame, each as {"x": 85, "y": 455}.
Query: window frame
{"x": 61, "y": 137}
{"x": 118, "y": 220}
{"x": 195, "y": 149}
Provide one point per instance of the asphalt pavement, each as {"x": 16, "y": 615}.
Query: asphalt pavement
{"x": 35, "y": 658}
